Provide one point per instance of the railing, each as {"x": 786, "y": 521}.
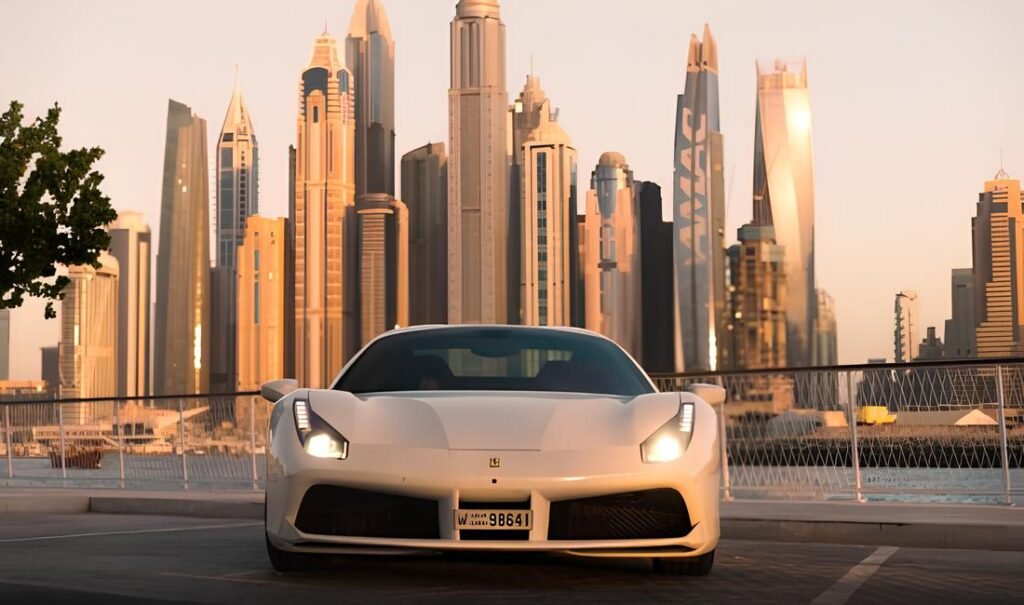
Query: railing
{"x": 208, "y": 441}
{"x": 949, "y": 431}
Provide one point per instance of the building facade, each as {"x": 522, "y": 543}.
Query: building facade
{"x": 998, "y": 229}
{"x": 931, "y": 347}
{"x": 657, "y": 309}
{"x": 547, "y": 223}
{"x": 478, "y": 216}
{"x": 237, "y": 198}
{"x": 784, "y": 192}
{"x": 756, "y": 331}
{"x": 383, "y": 264}
{"x": 907, "y": 331}
{"x": 699, "y": 212}
{"x": 5, "y": 344}
{"x": 181, "y": 335}
{"x": 425, "y": 192}
{"x": 959, "y": 333}
{"x": 826, "y": 331}
{"x": 131, "y": 245}
{"x": 611, "y": 258}
{"x": 88, "y": 345}
{"x": 264, "y": 311}
{"x": 326, "y": 263}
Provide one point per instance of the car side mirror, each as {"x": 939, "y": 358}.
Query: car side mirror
{"x": 711, "y": 393}
{"x": 274, "y": 390}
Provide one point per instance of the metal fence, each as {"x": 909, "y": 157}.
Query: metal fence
{"x": 939, "y": 432}
{"x": 201, "y": 441}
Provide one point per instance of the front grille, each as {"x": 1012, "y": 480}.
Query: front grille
{"x": 643, "y": 515}
{"x": 494, "y": 534}
{"x": 344, "y": 511}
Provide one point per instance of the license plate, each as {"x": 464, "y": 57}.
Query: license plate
{"x": 493, "y": 519}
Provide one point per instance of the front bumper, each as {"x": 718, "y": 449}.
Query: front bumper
{"x": 449, "y": 477}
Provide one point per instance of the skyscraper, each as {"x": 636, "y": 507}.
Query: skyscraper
{"x": 998, "y": 265}
{"x": 960, "y": 343}
{"x": 611, "y": 260}
{"x": 425, "y": 191}
{"x": 181, "y": 338}
{"x": 370, "y": 55}
{"x": 756, "y": 331}
{"x": 88, "y": 344}
{"x": 49, "y": 369}
{"x": 5, "y": 344}
{"x": 784, "y": 192}
{"x": 699, "y": 212}
{"x": 657, "y": 311}
{"x": 326, "y": 328}
{"x": 547, "y": 211}
{"x": 931, "y": 347}
{"x": 383, "y": 264}
{"x": 478, "y": 217}
{"x": 237, "y": 198}
{"x": 826, "y": 337}
{"x": 264, "y": 311}
{"x": 906, "y": 335}
{"x": 130, "y": 244}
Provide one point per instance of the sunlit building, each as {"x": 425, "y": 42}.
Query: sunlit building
{"x": 326, "y": 285}
{"x": 237, "y": 198}
{"x": 181, "y": 335}
{"x": 959, "y": 333}
{"x": 264, "y": 311}
{"x": 547, "y": 211}
{"x": 826, "y": 337}
{"x": 756, "y": 330}
{"x": 130, "y": 244}
{"x": 5, "y": 344}
{"x": 699, "y": 212}
{"x": 611, "y": 257}
{"x": 478, "y": 217}
{"x": 425, "y": 192}
{"x": 88, "y": 345}
{"x": 383, "y": 264}
{"x": 907, "y": 331}
{"x": 784, "y": 192}
{"x": 998, "y": 266}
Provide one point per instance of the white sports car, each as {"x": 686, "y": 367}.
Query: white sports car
{"x": 493, "y": 438}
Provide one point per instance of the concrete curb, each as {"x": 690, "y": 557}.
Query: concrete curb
{"x": 211, "y": 509}
{"x": 62, "y": 505}
{"x": 914, "y": 535}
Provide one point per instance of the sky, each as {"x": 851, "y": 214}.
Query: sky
{"x": 913, "y": 105}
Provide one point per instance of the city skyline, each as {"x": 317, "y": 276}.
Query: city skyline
{"x": 971, "y": 173}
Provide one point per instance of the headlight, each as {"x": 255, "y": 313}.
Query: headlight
{"x": 669, "y": 442}
{"x": 318, "y": 438}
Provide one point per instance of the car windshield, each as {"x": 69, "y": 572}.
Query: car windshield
{"x": 494, "y": 359}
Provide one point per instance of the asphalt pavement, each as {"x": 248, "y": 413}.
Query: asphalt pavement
{"x": 106, "y": 558}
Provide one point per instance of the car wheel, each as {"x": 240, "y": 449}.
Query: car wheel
{"x": 685, "y": 566}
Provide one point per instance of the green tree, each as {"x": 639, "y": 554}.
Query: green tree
{"x": 52, "y": 211}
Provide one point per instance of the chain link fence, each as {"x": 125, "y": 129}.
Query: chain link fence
{"x": 948, "y": 432}
{"x": 935, "y": 432}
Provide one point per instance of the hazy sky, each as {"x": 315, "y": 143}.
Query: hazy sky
{"x": 912, "y": 102}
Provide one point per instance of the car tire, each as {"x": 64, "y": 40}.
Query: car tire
{"x": 685, "y": 566}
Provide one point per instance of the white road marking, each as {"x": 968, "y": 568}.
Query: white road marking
{"x": 841, "y": 591}
{"x": 131, "y": 532}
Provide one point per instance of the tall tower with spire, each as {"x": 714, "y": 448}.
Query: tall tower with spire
{"x": 478, "y": 216}
{"x": 325, "y": 224}
{"x": 698, "y": 212}
{"x": 383, "y": 222}
{"x": 237, "y": 198}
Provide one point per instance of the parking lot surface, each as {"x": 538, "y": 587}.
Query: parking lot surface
{"x": 96, "y": 558}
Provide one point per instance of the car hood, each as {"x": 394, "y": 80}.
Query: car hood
{"x": 494, "y": 420}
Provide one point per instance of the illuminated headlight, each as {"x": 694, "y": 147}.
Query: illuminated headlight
{"x": 322, "y": 445}
{"x": 669, "y": 442}
{"x": 318, "y": 438}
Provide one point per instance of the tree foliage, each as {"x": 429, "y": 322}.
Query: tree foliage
{"x": 52, "y": 211}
